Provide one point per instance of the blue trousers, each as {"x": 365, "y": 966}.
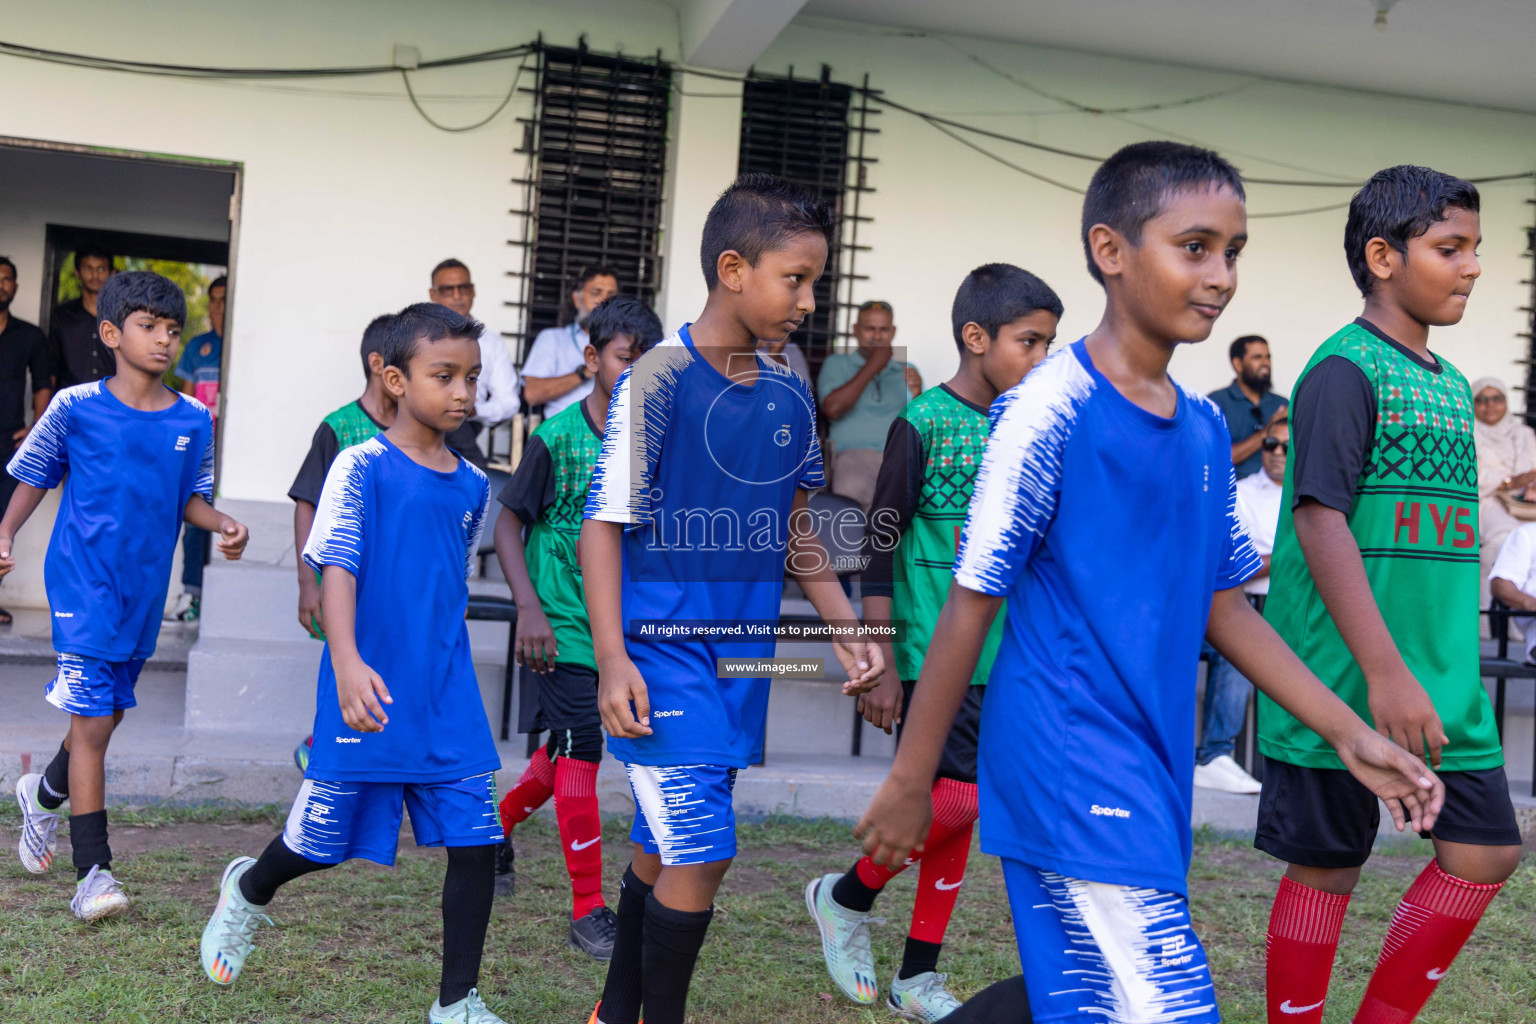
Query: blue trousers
{"x": 1226, "y": 708}
{"x": 194, "y": 555}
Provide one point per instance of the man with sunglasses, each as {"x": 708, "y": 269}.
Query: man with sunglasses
{"x": 1248, "y": 403}
{"x": 1226, "y": 690}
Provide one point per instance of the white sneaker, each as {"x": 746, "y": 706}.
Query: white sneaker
{"x": 469, "y": 1010}
{"x": 183, "y": 604}
{"x": 1226, "y": 775}
{"x": 98, "y": 895}
{"x": 39, "y": 826}
{"x": 922, "y": 998}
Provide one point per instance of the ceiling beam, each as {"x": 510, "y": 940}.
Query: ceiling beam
{"x": 730, "y": 35}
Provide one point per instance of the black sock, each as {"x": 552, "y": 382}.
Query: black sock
{"x": 468, "y": 889}
{"x": 851, "y": 893}
{"x": 88, "y": 837}
{"x": 918, "y": 957}
{"x": 55, "y": 788}
{"x": 276, "y": 866}
{"x": 1007, "y": 1002}
{"x": 621, "y": 992}
{"x": 672, "y": 941}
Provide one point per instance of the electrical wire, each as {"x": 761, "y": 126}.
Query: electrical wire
{"x": 518, "y": 77}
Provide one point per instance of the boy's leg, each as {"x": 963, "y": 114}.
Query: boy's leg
{"x": 569, "y": 699}
{"x": 1322, "y": 822}
{"x": 1096, "y": 951}
{"x": 1477, "y": 846}
{"x": 622, "y": 992}
{"x": 54, "y": 787}
{"x": 1006, "y": 1002}
{"x": 40, "y": 795}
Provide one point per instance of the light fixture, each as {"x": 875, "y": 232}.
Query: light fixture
{"x": 1382, "y": 7}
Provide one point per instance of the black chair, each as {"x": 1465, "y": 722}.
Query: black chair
{"x": 1502, "y": 668}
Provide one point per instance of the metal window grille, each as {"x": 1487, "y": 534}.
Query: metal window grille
{"x": 811, "y": 131}
{"x": 596, "y": 146}
{"x": 1529, "y": 334}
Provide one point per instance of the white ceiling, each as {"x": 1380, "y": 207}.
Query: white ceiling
{"x": 1481, "y": 52}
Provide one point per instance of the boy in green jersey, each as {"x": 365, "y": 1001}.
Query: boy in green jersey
{"x": 1375, "y": 587}
{"x": 546, "y": 496}
{"x": 1004, "y": 321}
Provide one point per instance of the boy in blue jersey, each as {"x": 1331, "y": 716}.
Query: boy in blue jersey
{"x": 699, "y": 490}
{"x": 1099, "y": 468}
{"x": 136, "y": 459}
{"x": 398, "y": 719}
{"x": 139, "y": 463}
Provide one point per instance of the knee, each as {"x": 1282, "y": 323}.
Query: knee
{"x": 1487, "y": 865}
{"x": 1338, "y": 881}
{"x": 91, "y": 733}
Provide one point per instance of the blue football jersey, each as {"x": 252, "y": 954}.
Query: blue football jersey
{"x": 127, "y": 477}
{"x": 409, "y": 535}
{"x": 702, "y": 472}
{"x": 1108, "y": 529}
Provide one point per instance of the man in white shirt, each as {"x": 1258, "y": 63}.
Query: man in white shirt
{"x": 1513, "y": 581}
{"x": 555, "y": 373}
{"x": 1226, "y": 690}
{"x": 496, "y": 395}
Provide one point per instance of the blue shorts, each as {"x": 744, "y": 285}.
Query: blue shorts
{"x": 91, "y": 687}
{"x": 335, "y": 821}
{"x": 1108, "y": 953}
{"x": 684, "y": 812}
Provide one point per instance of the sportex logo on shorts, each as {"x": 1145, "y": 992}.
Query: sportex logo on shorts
{"x": 1108, "y": 812}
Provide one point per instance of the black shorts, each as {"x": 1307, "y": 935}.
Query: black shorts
{"x": 958, "y": 761}
{"x": 1325, "y": 818}
{"x": 567, "y": 697}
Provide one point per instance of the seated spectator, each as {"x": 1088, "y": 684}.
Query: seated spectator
{"x": 1506, "y": 460}
{"x": 496, "y": 395}
{"x": 1226, "y": 690}
{"x": 861, "y": 393}
{"x": 1513, "y": 581}
{"x": 198, "y": 369}
{"x": 555, "y": 373}
{"x": 788, "y": 353}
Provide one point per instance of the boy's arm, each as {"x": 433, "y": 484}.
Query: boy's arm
{"x": 619, "y": 683}
{"x": 897, "y": 818}
{"x": 359, "y": 690}
{"x": 24, "y": 501}
{"x": 535, "y": 645}
{"x": 1242, "y": 636}
{"x": 232, "y": 534}
{"x": 810, "y": 567}
{"x": 898, "y": 487}
{"x": 309, "y": 587}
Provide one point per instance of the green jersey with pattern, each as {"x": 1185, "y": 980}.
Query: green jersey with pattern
{"x": 948, "y": 435}
{"x": 1414, "y": 517}
{"x": 351, "y": 425}
{"x": 549, "y": 490}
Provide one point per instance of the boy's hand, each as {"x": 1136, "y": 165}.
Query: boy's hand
{"x": 1411, "y": 792}
{"x": 360, "y": 691}
{"x": 309, "y": 605}
{"x": 1404, "y": 714}
{"x": 881, "y": 707}
{"x": 619, "y": 685}
{"x": 7, "y": 563}
{"x": 896, "y": 822}
{"x": 232, "y": 539}
{"x": 863, "y": 662}
{"x": 535, "y": 647}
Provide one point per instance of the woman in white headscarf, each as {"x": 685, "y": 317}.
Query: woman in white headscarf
{"x": 1506, "y": 460}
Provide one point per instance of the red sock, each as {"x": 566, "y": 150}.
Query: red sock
{"x": 1298, "y": 952}
{"x": 1429, "y": 928}
{"x": 581, "y": 832}
{"x": 535, "y": 786}
{"x": 954, "y": 809}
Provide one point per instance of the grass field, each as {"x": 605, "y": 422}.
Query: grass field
{"x": 360, "y": 943}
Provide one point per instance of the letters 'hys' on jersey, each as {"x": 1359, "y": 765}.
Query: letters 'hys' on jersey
{"x": 1108, "y": 529}
{"x": 1393, "y": 436}
{"x": 702, "y": 471}
{"x": 130, "y": 475}
{"x": 409, "y": 535}
{"x": 932, "y": 455}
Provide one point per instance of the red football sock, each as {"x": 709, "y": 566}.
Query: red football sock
{"x": 581, "y": 832}
{"x": 535, "y": 786}
{"x": 938, "y": 886}
{"x": 954, "y": 809}
{"x": 1431, "y": 924}
{"x": 1298, "y": 952}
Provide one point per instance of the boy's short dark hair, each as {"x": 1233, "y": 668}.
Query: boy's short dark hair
{"x": 596, "y": 270}
{"x": 757, "y": 214}
{"x": 222, "y": 281}
{"x": 1239, "y": 347}
{"x": 91, "y": 249}
{"x": 1397, "y": 204}
{"x": 135, "y": 291}
{"x": 5, "y": 261}
{"x": 376, "y": 339}
{"x": 449, "y": 264}
{"x": 995, "y": 294}
{"x": 1130, "y": 187}
{"x": 624, "y": 314}
{"x": 425, "y": 321}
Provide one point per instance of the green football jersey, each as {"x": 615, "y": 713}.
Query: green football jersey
{"x": 551, "y": 482}
{"x": 949, "y": 434}
{"x": 351, "y": 425}
{"x": 1414, "y": 516}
